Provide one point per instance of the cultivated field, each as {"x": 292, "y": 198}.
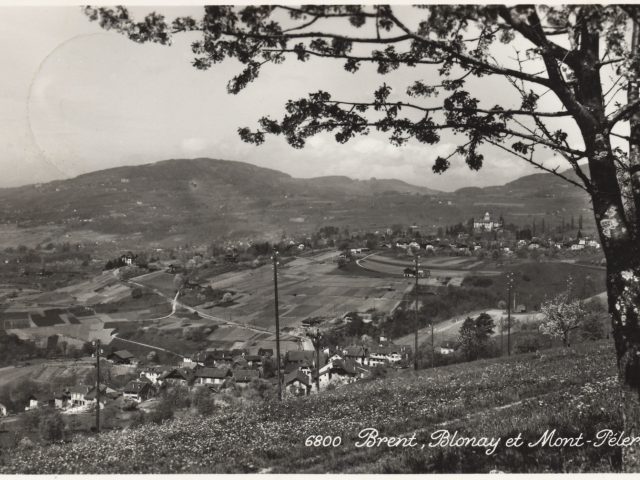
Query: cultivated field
{"x": 308, "y": 287}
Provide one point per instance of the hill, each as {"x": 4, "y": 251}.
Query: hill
{"x": 178, "y": 201}
{"x": 540, "y": 195}
{"x": 570, "y": 390}
{"x": 197, "y": 199}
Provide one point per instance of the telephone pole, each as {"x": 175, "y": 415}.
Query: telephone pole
{"x": 275, "y": 292}
{"x": 509, "y": 287}
{"x": 415, "y": 354}
{"x": 316, "y": 339}
{"x": 433, "y": 348}
{"x": 97, "y": 343}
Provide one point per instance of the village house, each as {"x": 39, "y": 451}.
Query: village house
{"x": 341, "y": 372}
{"x": 243, "y": 377}
{"x": 383, "y": 354}
{"x": 297, "y": 384}
{"x": 447, "y": 348}
{"x": 177, "y": 376}
{"x": 153, "y": 374}
{"x": 128, "y": 258}
{"x": 137, "y": 391}
{"x": 217, "y": 358}
{"x": 357, "y": 353}
{"x": 32, "y": 403}
{"x": 122, "y": 357}
{"x": 62, "y": 400}
{"x": 212, "y": 376}
{"x": 296, "y": 359}
{"x": 78, "y": 394}
{"x": 41, "y": 401}
{"x": 188, "y": 362}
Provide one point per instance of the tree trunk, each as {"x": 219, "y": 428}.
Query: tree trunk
{"x": 619, "y": 237}
{"x": 623, "y": 288}
{"x": 622, "y": 253}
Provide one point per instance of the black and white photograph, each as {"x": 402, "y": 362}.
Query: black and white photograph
{"x": 319, "y": 238}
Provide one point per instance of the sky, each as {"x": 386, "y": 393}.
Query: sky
{"x": 76, "y": 99}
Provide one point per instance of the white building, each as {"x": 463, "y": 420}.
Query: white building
{"x": 486, "y": 224}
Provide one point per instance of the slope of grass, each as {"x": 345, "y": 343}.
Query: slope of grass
{"x": 572, "y": 391}
{"x": 538, "y": 281}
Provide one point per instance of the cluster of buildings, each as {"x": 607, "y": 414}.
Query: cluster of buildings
{"x": 463, "y": 245}
{"x": 219, "y": 370}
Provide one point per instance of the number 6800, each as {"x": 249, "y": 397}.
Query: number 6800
{"x": 322, "y": 441}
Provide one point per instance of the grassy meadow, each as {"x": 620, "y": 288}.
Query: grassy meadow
{"x": 571, "y": 390}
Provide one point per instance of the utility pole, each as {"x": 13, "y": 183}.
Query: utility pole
{"x": 415, "y": 353}
{"x": 316, "y": 338}
{"x": 275, "y": 292}
{"x": 509, "y": 287}
{"x": 433, "y": 348}
{"x": 501, "y": 334}
{"x": 97, "y": 343}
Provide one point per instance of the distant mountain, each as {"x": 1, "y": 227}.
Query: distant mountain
{"x": 540, "y": 195}
{"x": 202, "y": 199}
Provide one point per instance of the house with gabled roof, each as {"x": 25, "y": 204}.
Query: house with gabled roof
{"x": 340, "y": 372}
{"x": 78, "y": 395}
{"x": 297, "y": 383}
{"x": 137, "y": 390}
{"x": 122, "y": 357}
{"x": 357, "y": 353}
{"x": 177, "y": 376}
{"x": 212, "y": 376}
{"x": 243, "y": 376}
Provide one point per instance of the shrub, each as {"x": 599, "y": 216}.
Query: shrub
{"x": 51, "y": 427}
{"x": 162, "y": 412}
{"x": 529, "y": 344}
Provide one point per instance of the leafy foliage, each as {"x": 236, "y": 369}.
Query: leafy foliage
{"x": 474, "y": 335}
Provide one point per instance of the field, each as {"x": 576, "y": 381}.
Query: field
{"x": 308, "y": 287}
{"x": 44, "y": 372}
{"x": 572, "y": 391}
